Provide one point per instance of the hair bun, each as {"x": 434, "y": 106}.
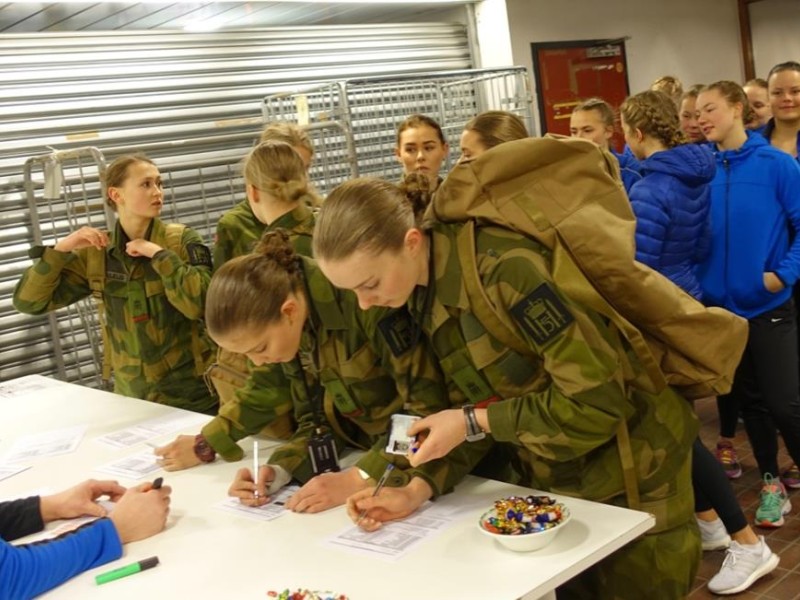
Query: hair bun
{"x": 275, "y": 246}
{"x": 417, "y": 189}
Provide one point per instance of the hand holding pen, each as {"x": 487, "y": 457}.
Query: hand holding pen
{"x": 369, "y": 509}
{"x": 142, "y": 511}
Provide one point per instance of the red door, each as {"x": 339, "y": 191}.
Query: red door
{"x": 567, "y": 73}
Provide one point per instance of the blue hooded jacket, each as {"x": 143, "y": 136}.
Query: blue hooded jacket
{"x": 755, "y": 214}
{"x": 769, "y": 128}
{"x": 672, "y": 204}
{"x": 629, "y": 168}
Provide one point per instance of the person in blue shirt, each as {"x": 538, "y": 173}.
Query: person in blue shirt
{"x": 758, "y": 97}
{"x": 29, "y": 570}
{"x": 671, "y": 201}
{"x": 673, "y": 234}
{"x": 753, "y": 264}
{"x": 593, "y": 120}
{"x": 783, "y": 132}
{"x": 783, "y": 129}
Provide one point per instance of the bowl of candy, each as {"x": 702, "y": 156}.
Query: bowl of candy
{"x": 524, "y": 523}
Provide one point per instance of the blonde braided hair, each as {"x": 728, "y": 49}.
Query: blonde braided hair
{"x": 655, "y": 115}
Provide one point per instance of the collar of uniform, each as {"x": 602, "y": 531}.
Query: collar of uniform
{"x": 323, "y": 298}
{"x": 156, "y": 232}
{"x": 299, "y": 220}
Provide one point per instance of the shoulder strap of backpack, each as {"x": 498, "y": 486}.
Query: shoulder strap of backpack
{"x": 173, "y": 238}
{"x": 487, "y": 315}
{"x": 479, "y": 303}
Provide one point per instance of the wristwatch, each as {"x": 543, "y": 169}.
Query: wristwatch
{"x": 474, "y": 432}
{"x": 203, "y": 450}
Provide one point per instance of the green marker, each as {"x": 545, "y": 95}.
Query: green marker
{"x": 142, "y": 565}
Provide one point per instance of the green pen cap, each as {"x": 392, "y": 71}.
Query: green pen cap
{"x": 142, "y": 565}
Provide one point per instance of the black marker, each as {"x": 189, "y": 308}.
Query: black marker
{"x": 157, "y": 483}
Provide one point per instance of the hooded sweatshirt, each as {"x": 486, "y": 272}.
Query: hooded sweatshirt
{"x": 672, "y": 204}
{"x": 755, "y": 214}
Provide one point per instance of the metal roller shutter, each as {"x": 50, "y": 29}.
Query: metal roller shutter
{"x": 190, "y": 101}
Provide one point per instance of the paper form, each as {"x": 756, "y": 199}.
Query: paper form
{"x": 136, "y": 466}
{"x": 268, "y": 512}
{"x": 394, "y": 540}
{"x": 49, "y": 443}
{"x": 147, "y": 430}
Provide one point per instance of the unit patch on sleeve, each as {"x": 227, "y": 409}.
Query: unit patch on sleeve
{"x": 398, "y": 331}
{"x": 542, "y": 315}
{"x": 199, "y": 255}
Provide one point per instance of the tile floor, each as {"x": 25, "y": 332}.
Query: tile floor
{"x": 784, "y": 582}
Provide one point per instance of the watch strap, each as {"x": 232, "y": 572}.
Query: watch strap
{"x": 203, "y": 450}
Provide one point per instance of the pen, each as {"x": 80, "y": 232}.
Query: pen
{"x": 157, "y": 483}
{"x": 255, "y": 467}
{"x": 142, "y": 565}
{"x": 381, "y": 482}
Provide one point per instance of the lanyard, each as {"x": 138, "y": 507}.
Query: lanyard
{"x": 426, "y": 308}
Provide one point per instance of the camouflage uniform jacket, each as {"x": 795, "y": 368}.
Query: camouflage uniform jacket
{"x": 361, "y": 359}
{"x": 238, "y": 230}
{"x": 232, "y": 374}
{"x": 561, "y": 404}
{"x": 153, "y": 310}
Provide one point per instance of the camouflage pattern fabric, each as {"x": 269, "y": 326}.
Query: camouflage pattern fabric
{"x": 237, "y": 232}
{"x": 361, "y": 358}
{"x": 563, "y": 402}
{"x": 153, "y": 308}
{"x": 364, "y": 362}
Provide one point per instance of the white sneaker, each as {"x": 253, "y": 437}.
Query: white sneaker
{"x": 743, "y": 566}
{"x": 714, "y": 535}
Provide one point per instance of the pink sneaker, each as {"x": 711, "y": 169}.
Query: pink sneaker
{"x": 727, "y": 457}
{"x": 791, "y": 477}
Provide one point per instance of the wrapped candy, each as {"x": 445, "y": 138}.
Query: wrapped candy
{"x": 516, "y": 515}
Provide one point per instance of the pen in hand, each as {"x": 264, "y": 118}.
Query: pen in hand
{"x": 255, "y": 468}
{"x": 381, "y": 482}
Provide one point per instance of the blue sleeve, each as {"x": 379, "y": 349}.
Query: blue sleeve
{"x": 788, "y": 190}
{"x": 29, "y": 570}
{"x": 652, "y": 222}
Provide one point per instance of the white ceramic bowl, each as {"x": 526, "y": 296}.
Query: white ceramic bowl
{"x": 524, "y": 542}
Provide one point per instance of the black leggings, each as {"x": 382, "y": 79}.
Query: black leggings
{"x": 766, "y": 386}
{"x": 713, "y": 490}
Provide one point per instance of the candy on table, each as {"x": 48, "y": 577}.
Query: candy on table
{"x": 305, "y": 595}
{"x": 517, "y": 515}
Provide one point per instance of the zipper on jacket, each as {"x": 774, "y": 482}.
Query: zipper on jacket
{"x": 727, "y": 167}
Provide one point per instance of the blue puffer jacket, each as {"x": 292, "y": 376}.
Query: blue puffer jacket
{"x": 629, "y": 168}
{"x": 672, "y": 204}
{"x": 755, "y": 215}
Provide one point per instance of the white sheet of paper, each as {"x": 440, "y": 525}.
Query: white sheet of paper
{"x": 26, "y": 385}
{"x": 147, "y": 430}
{"x": 394, "y": 540}
{"x": 7, "y": 471}
{"x": 136, "y": 466}
{"x": 268, "y": 512}
{"x": 49, "y": 443}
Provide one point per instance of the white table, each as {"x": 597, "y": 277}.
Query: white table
{"x": 209, "y": 553}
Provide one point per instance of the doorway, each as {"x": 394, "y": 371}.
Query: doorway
{"x": 567, "y": 73}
